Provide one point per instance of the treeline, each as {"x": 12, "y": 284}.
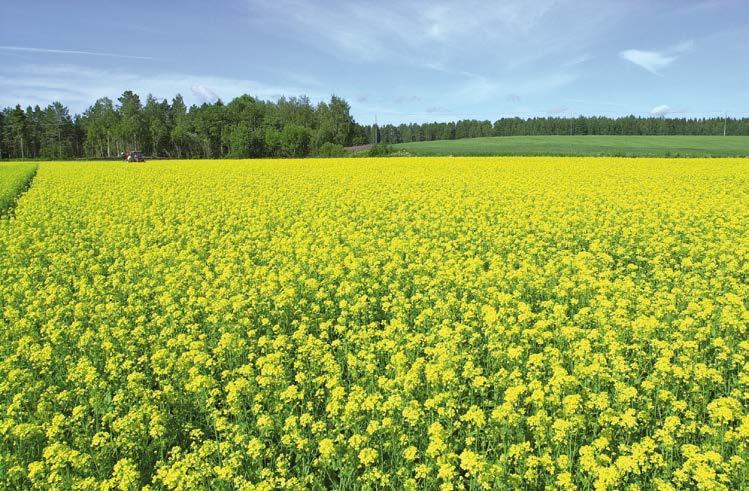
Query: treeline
{"x": 582, "y": 125}
{"x": 245, "y": 127}
{"x": 289, "y": 127}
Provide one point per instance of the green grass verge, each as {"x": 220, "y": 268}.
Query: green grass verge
{"x": 14, "y": 178}
{"x": 624, "y": 146}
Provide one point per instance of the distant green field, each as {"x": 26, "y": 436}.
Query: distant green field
{"x": 627, "y": 146}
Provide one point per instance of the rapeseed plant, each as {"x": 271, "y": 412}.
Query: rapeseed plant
{"x": 487, "y": 323}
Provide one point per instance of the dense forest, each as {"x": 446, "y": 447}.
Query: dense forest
{"x": 245, "y": 127}
{"x": 582, "y": 125}
{"x": 289, "y": 127}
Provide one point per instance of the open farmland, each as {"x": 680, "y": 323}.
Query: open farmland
{"x": 495, "y": 323}
{"x": 589, "y": 145}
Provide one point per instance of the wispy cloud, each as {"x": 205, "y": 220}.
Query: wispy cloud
{"x": 73, "y": 52}
{"x": 653, "y": 61}
{"x": 204, "y": 93}
{"x": 435, "y": 32}
{"x": 79, "y": 86}
{"x": 443, "y": 50}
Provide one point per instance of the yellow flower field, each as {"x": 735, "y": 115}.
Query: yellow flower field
{"x": 436, "y": 323}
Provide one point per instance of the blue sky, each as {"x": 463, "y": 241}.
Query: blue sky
{"x": 401, "y": 61}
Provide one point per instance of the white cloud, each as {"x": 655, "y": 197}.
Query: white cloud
{"x": 661, "y": 110}
{"x": 27, "y": 49}
{"x": 653, "y": 61}
{"x": 204, "y": 93}
{"x": 79, "y": 86}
